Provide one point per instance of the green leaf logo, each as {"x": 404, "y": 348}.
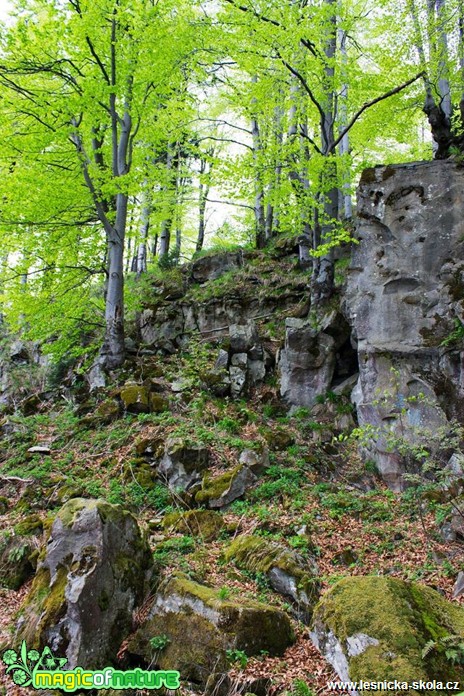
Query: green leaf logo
{"x": 21, "y": 667}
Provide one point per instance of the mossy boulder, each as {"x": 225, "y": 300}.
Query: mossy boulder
{"x": 142, "y": 398}
{"x": 107, "y": 412}
{"x": 16, "y": 565}
{"x": 135, "y": 398}
{"x": 32, "y": 524}
{"x": 140, "y": 471}
{"x": 204, "y": 523}
{"x": 279, "y": 439}
{"x": 376, "y": 628}
{"x": 220, "y": 491}
{"x": 200, "y": 627}
{"x": 90, "y": 577}
{"x": 287, "y": 572}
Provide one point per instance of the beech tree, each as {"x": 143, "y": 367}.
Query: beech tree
{"x": 95, "y": 75}
{"x": 308, "y": 41}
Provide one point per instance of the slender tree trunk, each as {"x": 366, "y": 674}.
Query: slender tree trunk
{"x": 165, "y": 232}
{"x": 322, "y": 280}
{"x": 461, "y": 58}
{"x": 202, "y": 199}
{"x": 344, "y": 147}
{"x": 141, "y": 257}
{"x": 259, "y": 192}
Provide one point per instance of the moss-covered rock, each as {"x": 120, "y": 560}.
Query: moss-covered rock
{"x": 200, "y": 627}
{"x": 204, "y": 523}
{"x": 222, "y": 490}
{"x": 107, "y": 412}
{"x": 32, "y": 524}
{"x": 140, "y": 471}
{"x": 376, "y": 628}
{"x": 288, "y": 573}
{"x": 90, "y": 577}
{"x": 135, "y": 398}
{"x": 16, "y": 566}
{"x": 279, "y": 439}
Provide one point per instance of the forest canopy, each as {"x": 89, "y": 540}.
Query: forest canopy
{"x": 135, "y": 134}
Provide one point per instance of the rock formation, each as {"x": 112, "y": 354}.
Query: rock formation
{"x": 404, "y": 297}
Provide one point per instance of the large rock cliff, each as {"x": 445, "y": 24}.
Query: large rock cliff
{"x": 405, "y": 299}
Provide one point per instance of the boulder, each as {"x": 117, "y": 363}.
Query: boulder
{"x": 182, "y": 463}
{"x": 222, "y": 361}
{"x": 238, "y": 379}
{"x": 91, "y": 576}
{"x": 287, "y": 572}
{"x": 243, "y": 337}
{"x": 219, "y": 492}
{"x": 404, "y": 296}
{"x": 200, "y": 628}
{"x": 16, "y": 565}
{"x": 138, "y": 398}
{"x": 377, "y": 628}
{"x": 256, "y": 461}
{"x": 215, "y": 265}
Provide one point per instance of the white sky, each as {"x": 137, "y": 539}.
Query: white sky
{"x": 4, "y": 6}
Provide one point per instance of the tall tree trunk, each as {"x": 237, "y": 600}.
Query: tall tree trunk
{"x": 113, "y": 347}
{"x": 203, "y": 191}
{"x": 165, "y": 232}
{"x": 141, "y": 259}
{"x": 322, "y": 280}
{"x": 344, "y": 147}
{"x": 259, "y": 192}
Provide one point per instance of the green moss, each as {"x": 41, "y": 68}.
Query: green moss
{"x": 158, "y": 403}
{"x": 44, "y": 605}
{"x": 403, "y": 617}
{"x": 30, "y": 525}
{"x": 135, "y": 398}
{"x": 259, "y": 555}
{"x": 213, "y": 488}
{"x": 204, "y": 523}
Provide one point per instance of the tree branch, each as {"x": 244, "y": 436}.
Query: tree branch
{"x": 367, "y": 105}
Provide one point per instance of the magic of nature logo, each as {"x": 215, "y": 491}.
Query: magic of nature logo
{"x": 43, "y": 670}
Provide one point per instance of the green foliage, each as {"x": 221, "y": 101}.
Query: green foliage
{"x": 159, "y": 642}
{"x": 237, "y": 657}
{"x": 452, "y": 646}
{"x": 300, "y": 688}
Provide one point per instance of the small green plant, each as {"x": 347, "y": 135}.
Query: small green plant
{"x": 224, "y": 593}
{"x": 300, "y": 688}
{"x": 237, "y": 657}
{"x": 451, "y": 646}
{"x": 159, "y": 642}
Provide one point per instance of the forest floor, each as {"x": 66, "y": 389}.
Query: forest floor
{"x": 316, "y": 496}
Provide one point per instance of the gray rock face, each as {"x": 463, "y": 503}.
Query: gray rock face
{"x": 306, "y": 364}
{"x": 90, "y": 579}
{"x": 212, "y": 267}
{"x": 243, "y": 337}
{"x": 405, "y": 288}
{"x": 182, "y": 464}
